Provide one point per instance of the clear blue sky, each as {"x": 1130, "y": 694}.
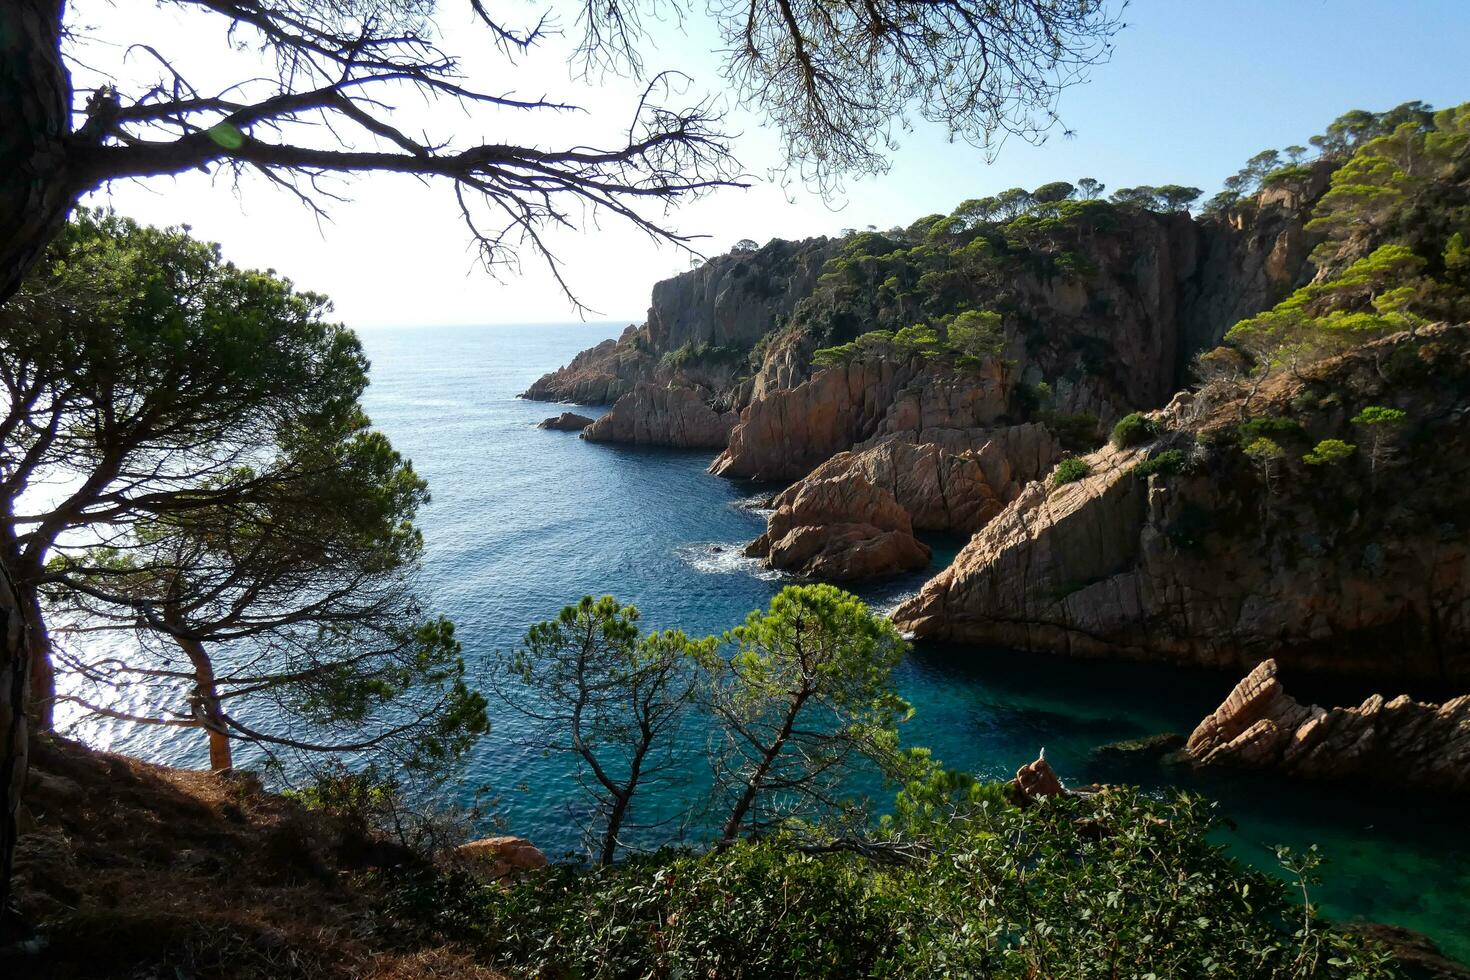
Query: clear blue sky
{"x": 1194, "y": 88}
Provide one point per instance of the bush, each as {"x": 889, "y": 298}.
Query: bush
{"x": 1378, "y": 415}
{"x": 1271, "y": 427}
{"x": 835, "y": 356}
{"x": 1070, "y": 470}
{"x": 1133, "y": 430}
{"x": 1329, "y": 451}
{"x": 1076, "y": 431}
{"x": 695, "y": 355}
{"x": 1113, "y": 885}
{"x": 1167, "y": 463}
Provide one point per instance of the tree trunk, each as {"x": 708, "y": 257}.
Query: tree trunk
{"x": 36, "y": 191}
{"x": 14, "y": 679}
{"x": 206, "y": 703}
{"x": 38, "y": 644}
{"x": 757, "y": 780}
{"x": 622, "y": 800}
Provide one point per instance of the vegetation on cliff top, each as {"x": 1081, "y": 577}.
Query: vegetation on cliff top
{"x": 1394, "y": 225}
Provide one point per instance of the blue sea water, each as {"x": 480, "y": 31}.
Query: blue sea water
{"x": 524, "y": 521}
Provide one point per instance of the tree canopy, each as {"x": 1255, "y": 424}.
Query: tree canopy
{"x": 1392, "y": 242}
{"x": 806, "y": 692}
{"x": 834, "y": 78}
{"x": 222, "y": 488}
{"x": 596, "y": 690}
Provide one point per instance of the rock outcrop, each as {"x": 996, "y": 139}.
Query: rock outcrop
{"x": 599, "y": 375}
{"x": 721, "y": 308}
{"x": 737, "y": 298}
{"x": 1361, "y": 567}
{"x": 1109, "y": 330}
{"x": 957, "y": 482}
{"x": 1037, "y": 779}
{"x": 787, "y": 433}
{"x": 955, "y": 479}
{"x": 650, "y": 415}
{"x": 1394, "y": 742}
{"x": 565, "y": 422}
{"x": 840, "y": 530}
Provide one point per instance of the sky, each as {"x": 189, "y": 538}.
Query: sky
{"x": 1193, "y": 89}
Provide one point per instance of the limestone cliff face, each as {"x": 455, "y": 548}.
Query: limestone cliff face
{"x": 650, "y": 415}
{"x": 1361, "y": 567}
{"x": 1395, "y": 741}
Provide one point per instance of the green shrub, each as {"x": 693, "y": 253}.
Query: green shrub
{"x": 1273, "y": 427}
{"x": 1167, "y": 463}
{"x": 834, "y": 356}
{"x": 692, "y": 355}
{"x": 1076, "y": 431}
{"x": 1112, "y": 885}
{"x": 1378, "y": 415}
{"x": 1070, "y": 470}
{"x": 1133, "y": 430}
{"x": 1329, "y": 451}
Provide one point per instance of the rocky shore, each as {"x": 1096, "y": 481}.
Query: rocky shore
{"x": 1216, "y": 558}
{"x": 1384, "y": 741}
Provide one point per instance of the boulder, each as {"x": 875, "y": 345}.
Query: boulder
{"x": 1037, "y": 779}
{"x": 565, "y": 422}
{"x": 1399, "y": 742}
{"x": 500, "y": 857}
{"x": 841, "y": 530}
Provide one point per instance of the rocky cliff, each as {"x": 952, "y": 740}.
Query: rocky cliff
{"x": 1359, "y": 565}
{"x": 701, "y": 327}
{"x": 651, "y": 415}
{"x": 785, "y": 434}
{"x": 1396, "y": 741}
{"x": 1105, "y": 305}
{"x": 944, "y": 478}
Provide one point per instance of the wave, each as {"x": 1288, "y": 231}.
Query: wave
{"x": 725, "y": 558}
{"x": 759, "y": 503}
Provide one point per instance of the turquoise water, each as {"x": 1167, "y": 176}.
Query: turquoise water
{"x": 524, "y": 521}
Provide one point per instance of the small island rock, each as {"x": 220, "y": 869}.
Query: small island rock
{"x": 566, "y": 422}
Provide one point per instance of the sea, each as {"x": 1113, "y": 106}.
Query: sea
{"x": 523, "y": 521}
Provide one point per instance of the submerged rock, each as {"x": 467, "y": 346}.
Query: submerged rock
{"x": 1397, "y": 742}
{"x": 1150, "y": 748}
{"x": 565, "y": 422}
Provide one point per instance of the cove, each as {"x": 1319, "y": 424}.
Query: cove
{"x": 524, "y": 521}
